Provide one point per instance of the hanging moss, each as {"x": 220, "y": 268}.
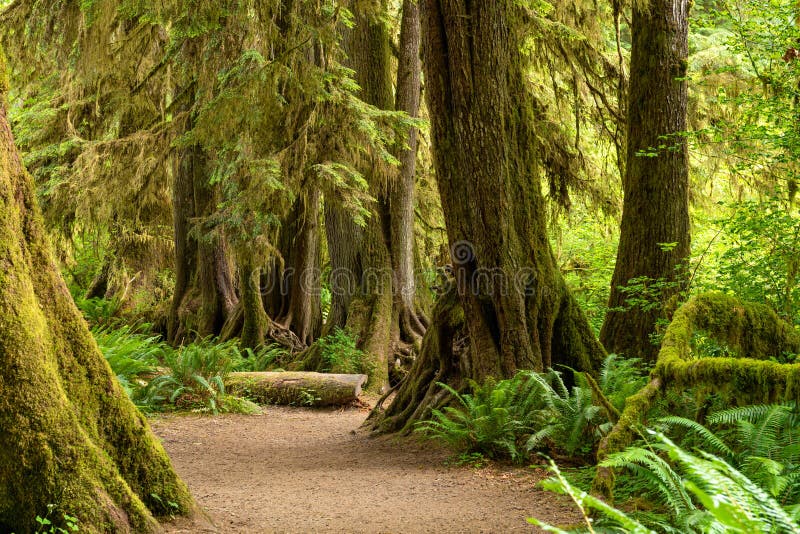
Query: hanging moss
{"x": 752, "y": 331}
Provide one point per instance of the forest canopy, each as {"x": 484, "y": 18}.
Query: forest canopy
{"x": 568, "y": 228}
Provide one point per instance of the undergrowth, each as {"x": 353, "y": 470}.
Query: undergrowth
{"x": 534, "y": 412}
{"x": 340, "y": 354}
{"x": 158, "y": 377}
{"x": 740, "y": 472}
{"x": 701, "y": 491}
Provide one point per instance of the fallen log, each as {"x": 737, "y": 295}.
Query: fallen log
{"x": 296, "y": 388}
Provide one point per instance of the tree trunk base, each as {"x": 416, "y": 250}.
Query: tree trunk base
{"x": 440, "y": 360}
{"x": 274, "y": 333}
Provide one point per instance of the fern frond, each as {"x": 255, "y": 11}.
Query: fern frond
{"x": 587, "y": 502}
{"x": 662, "y": 478}
{"x": 730, "y": 496}
{"x": 708, "y": 439}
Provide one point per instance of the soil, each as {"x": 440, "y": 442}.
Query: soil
{"x": 302, "y": 470}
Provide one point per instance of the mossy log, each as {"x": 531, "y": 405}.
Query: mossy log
{"x": 70, "y": 438}
{"x": 753, "y": 332}
{"x": 296, "y": 389}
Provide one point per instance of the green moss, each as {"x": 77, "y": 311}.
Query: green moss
{"x": 256, "y": 322}
{"x": 296, "y": 389}
{"x": 751, "y": 330}
{"x": 71, "y": 437}
{"x": 3, "y": 75}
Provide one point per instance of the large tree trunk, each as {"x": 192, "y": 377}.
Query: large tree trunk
{"x": 361, "y": 287}
{"x": 255, "y": 322}
{"x": 204, "y": 296}
{"x": 517, "y": 311}
{"x": 412, "y": 322}
{"x": 656, "y": 184}
{"x": 344, "y": 242}
{"x": 361, "y": 263}
{"x": 70, "y": 436}
{"x": 292, "y": 285}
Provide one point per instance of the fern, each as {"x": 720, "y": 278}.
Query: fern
{"x": 708, "y": 439}
{"x": 492, "y": 420}
{"x": 531, "y": 412}
{"x": 340, "y": 354}
{"x": 658, "y": 476}
{"x": 722, "y": 498}
{"x": 587, "y": 504}
{"x": 263, "y": 359}
{"x": 571, "y": 420}
{"x": 196, "y": 378}
{"x": 763, "y": 441}
{"x": 734, "y": 500}
{"x": 620, "y": 378}
{"x": 131, "y": 355}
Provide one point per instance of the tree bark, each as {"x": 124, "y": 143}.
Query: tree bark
{"x": 412, "y": 323}
{"x": 204, "y": 296}
{"x": 297, "y": 389}
{"x": 255, "y": 322}
{"x": 361, "y": 262}
{"x": 70, "y": 436}
{"x": 656, "y": 183}
{"x": 292, "y": 296}
{"x": 344, "y": 242}
{"x": 518, "y": 313}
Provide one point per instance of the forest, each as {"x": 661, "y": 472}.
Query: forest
{"x": 399, "y": 266}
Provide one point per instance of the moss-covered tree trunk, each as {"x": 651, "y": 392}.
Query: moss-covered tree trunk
{"x": 361, "y": 262}
{"x": 204, "y": 296}
{"x": 654, "y": 237}
{"x": 255, "y": 322}
{"x": 70, "y": 436}
{"x": 292, "y": 285}
{"x": 517, "y": 312}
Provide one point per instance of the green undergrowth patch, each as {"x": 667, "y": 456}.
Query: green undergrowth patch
{"x": 739, "y": 471}
{"x": 536, "y": 413}
{"x": 340, "y": 354}
{"x": 675, "y": 488}
{"x": 158, "y": 377}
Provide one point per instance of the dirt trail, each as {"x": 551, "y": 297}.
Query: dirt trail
{"x": 299, "y": 470}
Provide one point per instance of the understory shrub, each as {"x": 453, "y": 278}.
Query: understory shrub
{"x": 195, "y": 378}
{"x": 340, "y": 354}
{"x": 269, "y": 357}
{"x": 493, "y": 420}
{"x": 759, "y": 257}
{"x": 738, "y": 473}
{"x": 762, "y": 441}
{"x": 158, "y": 377}
{"x": 133, "y": 355}
{"x": 99, "y": 312}
{"x": 534, "y": 412}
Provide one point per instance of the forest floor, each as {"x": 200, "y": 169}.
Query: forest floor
{"x": 303, "y": 470}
